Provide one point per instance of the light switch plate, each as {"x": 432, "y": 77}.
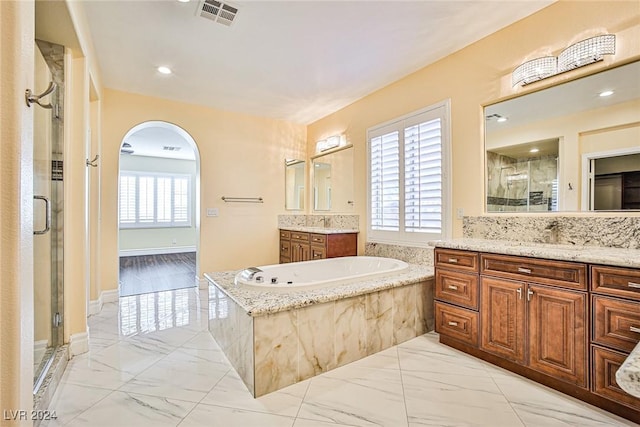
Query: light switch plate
{"x": 460, "y": 213}
{"x": 213, "y": 212}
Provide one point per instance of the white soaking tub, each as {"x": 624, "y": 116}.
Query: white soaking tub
{"x": 318, "y": 273}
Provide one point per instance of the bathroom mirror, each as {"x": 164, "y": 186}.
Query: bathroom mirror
{"x": 573, "y": 128}
{"x": 294, "y": 174}
{"x": 333, "y": 180}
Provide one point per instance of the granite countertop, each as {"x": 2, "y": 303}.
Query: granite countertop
{"x": 628, "y": 375}
{"x": 620, "y": 257}
{"x": 320, "y": 230}
{"x": 259, "y": 303}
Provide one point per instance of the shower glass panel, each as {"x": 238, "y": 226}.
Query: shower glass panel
{"x": 522, "y": 184}
{"x": 48, "y": 202}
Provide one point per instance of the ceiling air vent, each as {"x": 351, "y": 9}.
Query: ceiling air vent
{"x": 222, "y": 13}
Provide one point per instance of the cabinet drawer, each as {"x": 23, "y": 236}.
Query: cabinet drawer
{"x": 457, "y": 323}
{"x": 616, "y": 323}
{"x": 285, "y": 234}
{"x": 300, "y": 237}
{"x": 616, "y": 281}
{"x": 605, "y": 365}
{"x": 461, "y": 260}
{"x": 318, "y": 239}
{"x": 457, "y": 288}
{"x": 318, "y": 252}
{"x": 559, "y": 273}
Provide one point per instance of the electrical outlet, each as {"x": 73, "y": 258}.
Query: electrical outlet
{"x": 459, "y": 213}
{"x": 174, "y": 241}
{"x": 213, "y": 212}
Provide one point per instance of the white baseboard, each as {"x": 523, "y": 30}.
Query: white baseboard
{"x": 157, "y": 251}
{"x": 78, "y": 344}
{"x": 95, "y": 306}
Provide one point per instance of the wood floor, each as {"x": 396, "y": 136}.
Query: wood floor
{"x": 153, "y": 273}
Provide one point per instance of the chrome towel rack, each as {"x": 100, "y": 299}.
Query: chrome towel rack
{"x": 242, "y": 199}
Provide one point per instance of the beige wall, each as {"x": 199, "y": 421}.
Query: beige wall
{"x": 240, "y": 156}
{"x": 479, "y": 75}
{"x": 16, "y": 208}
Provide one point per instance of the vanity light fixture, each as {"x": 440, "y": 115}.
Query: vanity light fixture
{"x": 586, "y": 52}
{"x": 577, "y": 55}
{"x": 329, "y": 143}
{"x": 164, "y": 70}
{"x": 606, "y": 93}
{"x": 534, "y": 70}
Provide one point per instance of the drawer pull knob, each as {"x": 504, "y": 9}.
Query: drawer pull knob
{"x": 454, "y": 287}
{"x": 634, "y": 285}
{"x": 634, "y": 329}
{"x": 453, "y": 323}
{"x": 453, "y": 260}
{"x": 524, "y": 270}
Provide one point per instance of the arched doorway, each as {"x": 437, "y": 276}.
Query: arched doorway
{"x": 158, "y": 209}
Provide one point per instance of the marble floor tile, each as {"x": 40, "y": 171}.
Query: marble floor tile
{"x": 218, "y": 416}
{"x": 231, "y": 392}
{"x": 153, "y": 362}
{"x": 356, "y": 396}
{"x": 128, "y": 409}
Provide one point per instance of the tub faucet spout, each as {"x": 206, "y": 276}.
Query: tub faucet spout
{"x": 250, "y": 272}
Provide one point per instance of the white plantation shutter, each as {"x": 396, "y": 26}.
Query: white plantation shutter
{"x": 423, "y": 177}
{"x": 154, "y": 200}
{"x": 407, "y": 186}
{"x": 385, "y": 182}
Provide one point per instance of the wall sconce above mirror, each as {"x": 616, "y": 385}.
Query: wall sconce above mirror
{"x": 294, "y": 177}
{"x": 333, "y": 180}
{"x": 586, "y": 119}
{"x": 577, "y": 55}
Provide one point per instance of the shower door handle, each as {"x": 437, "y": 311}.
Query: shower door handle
{"x": 47, "y": 220}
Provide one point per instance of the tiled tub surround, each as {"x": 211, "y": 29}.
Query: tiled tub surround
{"x": 616, "y": 232}
{"x": 628, "y": 375}
{"x": 412, "y": 255}
{"x": 274, "y": 339}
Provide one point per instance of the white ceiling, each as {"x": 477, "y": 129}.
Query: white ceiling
{"x": 291, "y": 60}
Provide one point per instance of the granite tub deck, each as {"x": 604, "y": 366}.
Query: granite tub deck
{"x": 277, "y": 339}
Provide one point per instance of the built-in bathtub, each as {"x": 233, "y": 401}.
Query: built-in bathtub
{"x": 275, "y": 336}
{"x": 318, "y": 273}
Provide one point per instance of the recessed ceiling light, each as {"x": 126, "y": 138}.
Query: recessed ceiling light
{"x": 501, "y": 119}
{"x": 606, "y": 93}
{"x": 534, "y": 150}
{"x": 164, "y": 70}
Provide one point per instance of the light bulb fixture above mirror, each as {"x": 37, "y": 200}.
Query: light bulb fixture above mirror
{"x": 329, "y": 143}
{"x": 577, "y": 55}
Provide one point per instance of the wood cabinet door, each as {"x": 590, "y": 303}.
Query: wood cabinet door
{"x": 558, "y": 333}
{"x": 503, "y": 318}
{"x": 299, "y": 252}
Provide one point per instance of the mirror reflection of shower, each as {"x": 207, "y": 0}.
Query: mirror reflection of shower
{"x": 523, "y": 178}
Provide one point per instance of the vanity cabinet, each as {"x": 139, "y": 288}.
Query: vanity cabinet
{"x": 457, "y": 295}
{"x": 568, "y": 325}
{"x": 615, "y": 304}
{"x": 527, "y": 321}
{"x": 303, "y": 246}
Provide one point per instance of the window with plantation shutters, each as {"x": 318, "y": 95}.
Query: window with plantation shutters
{"x": 154, "y": 200}
{"x": 408, "y": 192}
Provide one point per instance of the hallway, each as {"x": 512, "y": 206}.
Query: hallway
{"x": 155, "y": 273}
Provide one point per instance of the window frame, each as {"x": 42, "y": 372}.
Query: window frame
{"x": 442, "y": 111}
{"x": 155, "y": 223}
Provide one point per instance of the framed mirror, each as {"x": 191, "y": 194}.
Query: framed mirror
{"x": 545, "y": 150}
{"x": 294, "y": 177}
{"x": 333, "y": 180}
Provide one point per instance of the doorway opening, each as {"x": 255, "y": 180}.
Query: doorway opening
{"x": 158, "y": 209}
{"x": 613, "y": 180}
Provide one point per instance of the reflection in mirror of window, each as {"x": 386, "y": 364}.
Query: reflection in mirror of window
{"x": 294, "y": 170}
